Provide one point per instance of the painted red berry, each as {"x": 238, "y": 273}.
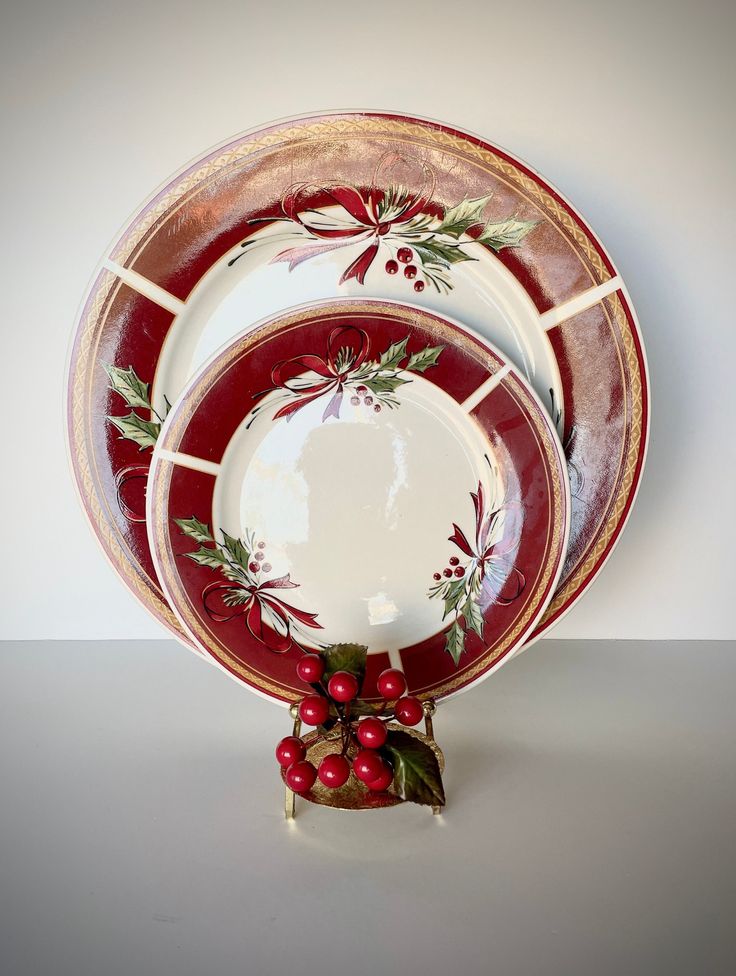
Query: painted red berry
{"x": 382, "y": 782}
{"x": 261, "y": 545}
{"x": 367, "y": 765}
{"x": 314, "y": 709}
{"x": 437, "y": 576}
{"x": 259, "y": 556}
{"x": 372, "y": 733}
{"x": 355, "y": 400}
{"x": 334, "y": 771}
{"x": 418, "y": 286}
{"x": 377, "y": 408}
{"x": 368, "y": 401}
{"x": 454, "y": 560}
{"x": 290, "y": 750}
{"x": 343, "y": 686}
{"x": 391, "y": 684}
{"x": 310, "y": 668}
{"x": 447, "y": 571}
{"x": 410, "y": 271}
{"x": 253, "y": 566}
{"x": 391, "y": 267}
{"x": 404, "y": 255}
{"x": 409, "y": 711}
{"x": 459, "y": 571}
{"x": 300, "y": 776}
{"x": 362, "y": 390}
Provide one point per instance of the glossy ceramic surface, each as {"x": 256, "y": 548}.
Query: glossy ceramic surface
{"x": 358, "y": 472}
{"x": 361, "y": 204}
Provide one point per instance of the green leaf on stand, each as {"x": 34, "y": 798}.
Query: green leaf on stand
{"x": 212, "y": 558}
{"x": 422, "y": 360}
{"x": 417, "y": 775}
{"x": 130, "y": 387}
{"x": 394, "y": 354}
{"x": 506, "y": 233}
{"x": 195, "y": 529}
{"x": 142, "y": 432}
{"x": 466, "y": 214}
{"x": 345, "y": 657}
{"x": 237, "y": 550}
{"x": 473, "y": 617}
{"x": 455, "y": 642}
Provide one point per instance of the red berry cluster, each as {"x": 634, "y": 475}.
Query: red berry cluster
{"x": 405, "y": 255}
{"x": 452, "y": 570}
{"x": 363, "y": 395}
{"x": 362, "y": 740}
{"x": 257, "y": 563}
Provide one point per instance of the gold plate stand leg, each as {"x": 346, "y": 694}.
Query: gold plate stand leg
{"x": 429, "y": 707}
{"x": 290, "y": 798}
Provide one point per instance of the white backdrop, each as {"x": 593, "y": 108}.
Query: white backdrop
{"x": 627, "y": 108}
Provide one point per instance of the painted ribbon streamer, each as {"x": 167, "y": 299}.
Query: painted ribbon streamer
{"x": 134, "y": 472}
{"x": 491, "y": 558}
{"x": 253, "y": 608}
{"x": 347, "y": 350}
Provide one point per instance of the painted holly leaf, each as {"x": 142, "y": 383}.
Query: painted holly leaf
{"x": 417, "y": 775}
{"x": 384, "y": 384}
{"x": 506, "y": 233}
{"x": 441, "y": 253}
{"x": 466, "y": 214}
{"x": 453, "y": 596}
{"x": 195, "y": 529}
{"x": 473, "y": 617}
{"x": 391, "y": 358}
{"x": 455, "y": 642}
{"x": 142, "y": 432}
{"x": 130, "y": 387}
{"x": 422, "y": 360}
{"x": 237, "y": 550}
{"x": 211, "y": 558}
{"x": 345, "y": 657}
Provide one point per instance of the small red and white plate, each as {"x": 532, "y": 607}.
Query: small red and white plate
{"x": 358, "y": 471}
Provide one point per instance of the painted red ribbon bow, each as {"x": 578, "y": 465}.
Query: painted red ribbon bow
{"x": 365, "y": 219}
{"x": 347, "y": 350}
{"x": 253, "y": 608}
{"x": 495, "y": 556}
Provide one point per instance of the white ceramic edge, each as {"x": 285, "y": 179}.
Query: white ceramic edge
{"x": 101, "y": 266}
{"x": 358, "y": 301}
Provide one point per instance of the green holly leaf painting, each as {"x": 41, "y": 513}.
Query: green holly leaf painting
{"x": 384, "y": 384}
{"x": 506, "y": 233}
{"x": 465, "y": 215}
{"x": 422, "y": 360}
{"x": 211, "y": 558}
{"x": 436, "y": 252}
{"x": 453, "y": 596}
{"x": 455, "y": 642}
{"x": 393, "y": 355}
{"x": 130, "y": 387}
{"x": 345, "y": 657}
{"x": 142, "y": 432}
{"x": 473, "y": 617}
{"x": 237, "y": 550}
{"x": 195, "y": 529}
{"x": 417, "y": 775}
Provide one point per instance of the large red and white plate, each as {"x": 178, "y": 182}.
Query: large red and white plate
{"x": 365, "y": 204}
{"x": 358, "y": 472}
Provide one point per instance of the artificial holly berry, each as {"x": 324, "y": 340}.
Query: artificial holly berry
{"x": 371, "y": 733}
{"x": 404, "y": 255}
{"x": 410, "y": 271}
{"x": 391, "y": 267}
{"x": 343, "y": 686}
{"x": 418, "y": 286}
{"x": 367, "y": 765}
{"x": 382, "y": 782}
{"x": 391, "y": 684}
{"x": 409, "y": 711}
{"x": 314, "y": 709}
{"x": 310, "y": 668}
{"x": 290, "y": 750}
{"x": 334, "y": 771}
{"x": 300, "y": 776}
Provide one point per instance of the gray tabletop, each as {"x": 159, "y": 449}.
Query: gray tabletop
{"x": 589, "y": 827}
